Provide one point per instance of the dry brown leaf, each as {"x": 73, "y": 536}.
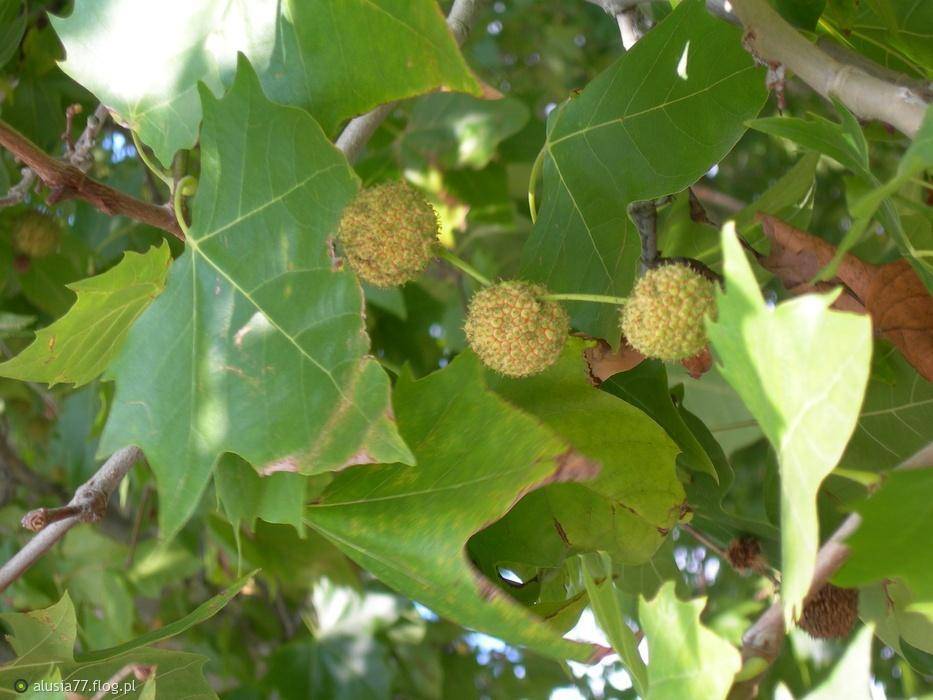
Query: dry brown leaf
{"x": 901, "y": 309}
{"x": 900, "y": 306}
{"x": 602, "y": 361}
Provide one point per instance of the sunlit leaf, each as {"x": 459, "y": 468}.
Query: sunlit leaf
{"x": 801, "y": 369}
{"x": 257, "y": 345}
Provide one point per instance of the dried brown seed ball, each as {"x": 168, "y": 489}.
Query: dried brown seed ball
{"x": 663, "y": 318}
{"x": 514, "y": 331}
{"x": 36, "y": 234}
{"x": 388, "y": 233}
{"x": 745, "y": 553}
{"x": 830, "y": 612}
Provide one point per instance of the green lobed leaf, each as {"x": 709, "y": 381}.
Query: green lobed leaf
{"x": 685, "y": 659}
{"x": 628, "y": 508}
{"x": 41, "y": 636}
{"x": 80, "y": 345}
{"x": 650, "y": 125}
{"x": 409, "y": 526}
{"x": 893, "y": 538}
{"x": 801, "y": 369}
{"x": 144, "y": 60}
{"x": 254, "y": 317}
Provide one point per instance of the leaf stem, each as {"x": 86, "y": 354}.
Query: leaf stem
{"x": 186, "y": 187}
{"x": 154, "y": 167}
{"x": 462, "y": 265}
{"x": 596, "y": 298}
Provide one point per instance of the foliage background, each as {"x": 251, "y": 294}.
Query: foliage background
{"x": 313, "y": 623}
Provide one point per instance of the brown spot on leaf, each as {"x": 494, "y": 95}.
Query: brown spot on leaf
{"x": 286, "y": 464}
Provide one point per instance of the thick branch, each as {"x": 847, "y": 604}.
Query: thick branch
{"x": 774, "y": 41}
{"x": 68, "y": 182}
{"x": 88, "y": 505}
{"x": 360, "y": 129}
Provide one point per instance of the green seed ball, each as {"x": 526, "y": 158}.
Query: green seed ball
{"x": 388, "y": 234}
{"x": 513, "y": 331}
{"x": 663, "y": 318}
{"x": 36, "y": 234}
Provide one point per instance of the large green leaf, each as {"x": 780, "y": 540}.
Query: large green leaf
{"x": 80, "y": 345}
{"x": 650, "y": 125}
{"x": 685, "y": 659}
{"x": 337, "y": 58}
{"x": 257, "y": 345}
{"x": 893, "y": 539}
{"x": 409, "y": 525}
{"x": 627, "y": 509}
{"x": 801, "y": 369}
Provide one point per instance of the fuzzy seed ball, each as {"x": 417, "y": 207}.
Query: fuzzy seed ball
{"x": 388, "y": 234}
{"x": 831, "y": 612}
{"x": 513, "y": 331}
{"x": 745, "y": 553}
{"x": 663, "y": 318}
{"x": 36, "y": 234}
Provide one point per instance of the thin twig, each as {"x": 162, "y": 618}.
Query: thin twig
{"x": 360, "y": 129}
{"x": 67, "y": 181}
{"x": 773, "y": 41}
{"x": 90, "y": 503}
{"x": 645, "y": 217}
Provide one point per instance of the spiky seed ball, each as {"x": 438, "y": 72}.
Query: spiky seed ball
{"x": 831, "y": 612}
{"x": 663, "y": 318}
{"x": 515, "y": 332}
{"x": 36, "y": 234}
{"x": 388, "y": 233}
{"x": 745, "y": 553}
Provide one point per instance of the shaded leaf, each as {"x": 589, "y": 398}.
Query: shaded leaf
{"x": 254, "y": 317}
{"x": 12, "y": 26}
{"x": 685, "y": 659}
{"x": 144, "y": 60}
{"x": 776, "y": 359}
{"x": 246, "y": 496}
{"x": 650, "y": 125}
{"x": 891, "y": 540}
{"x": 636, "y": 498}
{"x": 409, "y": 526}
{"x": 454, "y": 131}
{"x": 79, "y": 346}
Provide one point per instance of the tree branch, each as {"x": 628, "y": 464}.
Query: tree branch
{"x": 360, "y": 129}
{"x": 68, "y": 181}
{"x": 774, "y": 41}
{"x": 88, "y": 505}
